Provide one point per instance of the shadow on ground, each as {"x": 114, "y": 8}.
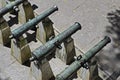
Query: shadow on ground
{"x": 109, "y": 60}
{"x": 13, "y": 20}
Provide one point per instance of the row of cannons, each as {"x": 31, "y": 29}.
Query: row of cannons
{"x": 40, "y": 57}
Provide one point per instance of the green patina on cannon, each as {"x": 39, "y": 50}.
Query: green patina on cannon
{"x": 30, "y": 24}
{"x": 10, "y": 6}
{"x": 81, "y": 61}
{"x": 44, "y": 50}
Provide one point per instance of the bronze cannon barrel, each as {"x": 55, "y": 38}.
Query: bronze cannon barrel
{"x": 77, "y": 64}
{"x": 9, "y": 7}
{"x": 30, "y": 24}
{"x": 44, "y": 50}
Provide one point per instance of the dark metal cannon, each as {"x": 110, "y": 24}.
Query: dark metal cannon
{"x": 10, "y": 6}
{"x": 30, "y": 24}
{"x": 82, "y": 60}
{"x": 41, "y": 52}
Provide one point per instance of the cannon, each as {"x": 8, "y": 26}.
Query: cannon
{"x": 44, "y": 50}
{"x": 30, "y": 24}
{"x": 10, "y": 6}
{"x": 81, "y": 61}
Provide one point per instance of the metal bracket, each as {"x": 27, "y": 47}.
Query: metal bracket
{"x": 78, "y": 58}
{"x": 51, "y": 37}
{"x": 16, "y": 8}
{"x": 58, "y": 45}
{"x": 86, "y": 66}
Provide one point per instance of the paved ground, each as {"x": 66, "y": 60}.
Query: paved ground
{"x": 92, "y": 14}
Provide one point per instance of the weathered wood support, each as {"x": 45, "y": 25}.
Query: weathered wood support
{"x": 25, "y": 12}
{"x": 83, "y": 74}
{"x": 20, "y": 50}
{"x": 45, "y": 31}
{"x": 94, "y": 74}
{"x": 42, "y": 70}
{"x": 67, "y": 53}
{"x": 4, "y": 32}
